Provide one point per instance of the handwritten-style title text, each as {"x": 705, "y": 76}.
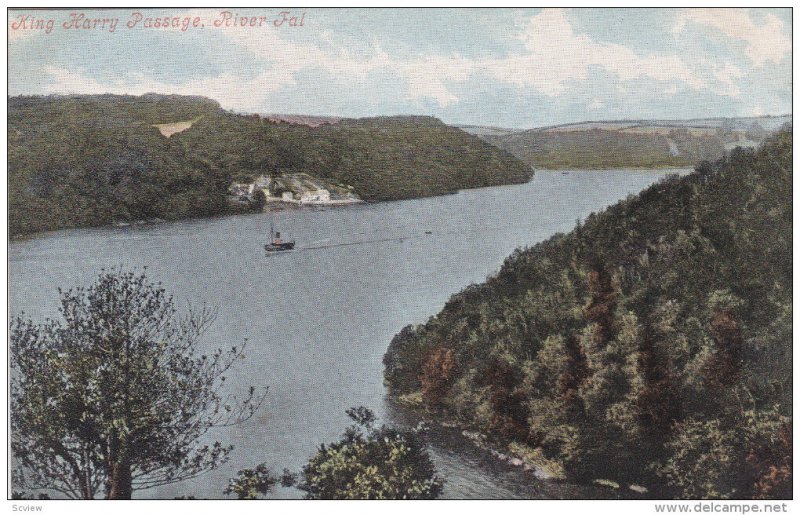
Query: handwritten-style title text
{"x": 80, "y": 21}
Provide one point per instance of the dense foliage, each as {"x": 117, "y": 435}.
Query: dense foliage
{"x": 651, "y": 345}
{"x": 97, "y": 160}
{"x": 251, "y": 484}
{"x": 610, "y": 148}
{"x": 370, "y": 462}
{"x": 115, "y": 397}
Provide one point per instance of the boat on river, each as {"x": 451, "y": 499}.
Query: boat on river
{"x": 276, "y": 244}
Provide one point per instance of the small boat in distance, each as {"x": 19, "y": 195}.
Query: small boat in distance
{"x": 275, "y": 243}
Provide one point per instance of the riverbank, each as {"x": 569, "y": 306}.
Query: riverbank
{"x": 530, "y": 476}
{"x": 332, "y": 202}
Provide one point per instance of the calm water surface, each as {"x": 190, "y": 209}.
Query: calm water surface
{"x": 318, "y": 321}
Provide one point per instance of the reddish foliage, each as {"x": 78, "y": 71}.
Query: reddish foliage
{"x": 658, "y": 404}
{"x": 509, "y": 412}
{"x": 510, "y": 418}
{"x": 438, "y": 372}
{"x": 575, "y": 373}
{"x": 499, "y": 374}
{"x": 724, "y": 365}
{"x": 600, "y": 309}
{"x": 773, "y": 467}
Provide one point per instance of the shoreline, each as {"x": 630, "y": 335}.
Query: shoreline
{"x": 277, "y": 203}
{"x": 478, "y": 439}
{"x": 135, "y": 224}
{"x": 338, "y": 202}
{"x": 659, "y": 169}
{"x": 512, "y": 454}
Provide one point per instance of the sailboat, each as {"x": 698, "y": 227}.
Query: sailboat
{"x": 275, "y": 243}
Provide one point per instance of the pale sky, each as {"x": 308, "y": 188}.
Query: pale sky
{"x": 501, "y": 67}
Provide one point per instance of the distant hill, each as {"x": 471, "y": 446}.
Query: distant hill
{"x": 485, "y": 130}
{"x": 91, "y": 160}
{"x": 38, "y": 112}
{"x": 298, "y": 119}
{"x": 631, "y": 143}
{"x": 767, "y": 122}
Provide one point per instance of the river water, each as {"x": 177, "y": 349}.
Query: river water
{"x": 318, "y": 321}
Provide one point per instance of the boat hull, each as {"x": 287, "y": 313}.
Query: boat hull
{"x": 280, "y": 247}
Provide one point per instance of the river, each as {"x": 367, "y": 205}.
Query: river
{"x": 318, "y": 321}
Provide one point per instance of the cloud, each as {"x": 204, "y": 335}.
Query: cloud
{"x": 424, "y": 77}
{"x": 727, "y": 74}
{"x": 228, "y": 88}
{"x": 552, "y": 58}
{"x": 65, "y": 81}
{"x": 767, "y": 42}
{"x": 557, "y": 56}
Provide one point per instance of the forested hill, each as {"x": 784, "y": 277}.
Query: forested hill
{"x": 652, "y": 345}
{"x": 633, "y": 143}
{"x": 95, "y": 160}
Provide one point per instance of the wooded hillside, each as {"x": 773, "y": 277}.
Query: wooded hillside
{"x": 651, "y": 345}
{"x": 79, "y": 161}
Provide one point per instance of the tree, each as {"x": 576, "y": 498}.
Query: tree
{"x": 772, "y": 465}
{"x": 115, "y": 398}
{"x": 509, "y": 414}
{"x": 249, "y": 484}
{"x": 437, "y": 375}
{"x": 259, "y": 200}
{"x": 371, "y": 463}
{"x": 724, "y": 366}
{"x": 744, "y": 455}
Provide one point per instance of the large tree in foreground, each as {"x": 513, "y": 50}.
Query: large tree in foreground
{"x": 371, "y": 462}
{"x": 116, "y": 397}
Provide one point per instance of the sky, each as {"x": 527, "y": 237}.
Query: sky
{"x": 517, "y": 68}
